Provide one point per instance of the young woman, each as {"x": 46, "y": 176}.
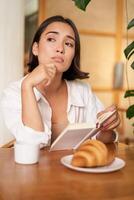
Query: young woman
{"x": 38, "y": 107}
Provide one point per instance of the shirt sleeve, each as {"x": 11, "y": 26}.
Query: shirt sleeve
{"x": 10, "y": 104}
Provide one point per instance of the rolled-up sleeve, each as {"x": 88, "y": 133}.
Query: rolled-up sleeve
{"x": 10, "y": 105}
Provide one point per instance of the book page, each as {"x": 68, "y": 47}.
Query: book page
{"x": 74, "y": 134}
{"x": 70, "y": 138}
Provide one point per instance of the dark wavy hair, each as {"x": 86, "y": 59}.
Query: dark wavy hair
{"x": 74, "y": 71}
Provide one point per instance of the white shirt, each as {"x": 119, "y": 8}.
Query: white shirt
{"x": 83, "y": 106}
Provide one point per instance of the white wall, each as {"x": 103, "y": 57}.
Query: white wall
{"x": 31, "y": 6}
{"x": 11, "y": 49}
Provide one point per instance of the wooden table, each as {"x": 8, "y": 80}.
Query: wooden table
{"x": 50, "y": 180}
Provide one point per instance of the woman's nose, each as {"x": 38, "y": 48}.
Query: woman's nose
{"x": 60, "y": 49}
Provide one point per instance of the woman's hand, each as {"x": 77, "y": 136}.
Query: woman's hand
{"x": 106, "y": 134}
{"x": 42, "y": 73}
{"x": 111, "y": 122}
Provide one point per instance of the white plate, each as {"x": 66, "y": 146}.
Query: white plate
{"x": 114, "y": 166}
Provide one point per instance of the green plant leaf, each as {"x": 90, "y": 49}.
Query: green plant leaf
{"x": 82, "y": 4}
{"x": 129, "y": 49}
{"x": 132, "y": 65}
{"x": 129, "y": 93}
{"x": 132, "y": 52}
{"x": 130, "y": 112}
{"x": 131, "y": 24}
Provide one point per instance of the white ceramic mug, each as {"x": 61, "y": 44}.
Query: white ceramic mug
{"x": 26, "y": 153}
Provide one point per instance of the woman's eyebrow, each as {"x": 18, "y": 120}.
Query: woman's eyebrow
{"x": 52, "y": 32}
{"x": 70, "y": 37}
{"x": 55, "y": 32}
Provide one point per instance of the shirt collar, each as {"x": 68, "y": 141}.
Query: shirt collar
{"x": 38, "y": 95}
{"x": 75, "y": 97}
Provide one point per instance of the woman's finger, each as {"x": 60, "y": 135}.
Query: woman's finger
{"x": 51, "y": 70}
{"x": 115, "y": 125}
{"x": 110, "y": 108}
{"x": 111, "y": 126}
{"x": 113, "y": 118}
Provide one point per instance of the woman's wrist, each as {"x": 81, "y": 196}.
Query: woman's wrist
{"x": 107, "y": 136}
{"x": 27, "y": 84}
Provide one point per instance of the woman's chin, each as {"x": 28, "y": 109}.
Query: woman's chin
{"x": 61, "y": 68}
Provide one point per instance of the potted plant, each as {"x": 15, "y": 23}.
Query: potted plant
{"x": 81, "y": 4}
{"x": 129, "y": 51}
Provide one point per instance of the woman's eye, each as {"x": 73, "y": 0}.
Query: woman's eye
{"x": 69, "y": 44}
{"x": 51, "y": 39}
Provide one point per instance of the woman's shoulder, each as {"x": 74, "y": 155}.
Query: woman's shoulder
{"x": 12, "y": 93}
{"x": 13, "y": 87}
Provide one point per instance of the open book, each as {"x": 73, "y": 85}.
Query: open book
{"x": 74, "y": 134}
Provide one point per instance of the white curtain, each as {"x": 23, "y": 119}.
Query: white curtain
{"x": 11, "y": 49}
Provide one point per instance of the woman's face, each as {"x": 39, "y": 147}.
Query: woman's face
{"x": 56, "y": 45}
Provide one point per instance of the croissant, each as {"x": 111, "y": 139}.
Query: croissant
{"x": 94, "y": 153}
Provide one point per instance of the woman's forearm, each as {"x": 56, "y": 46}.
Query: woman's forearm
{"x": 31, "y": 115}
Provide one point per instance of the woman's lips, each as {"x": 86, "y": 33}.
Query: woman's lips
{"x": 58, "y": 59}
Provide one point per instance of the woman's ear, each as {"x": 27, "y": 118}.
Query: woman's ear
{"x": 35, "y": 49}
